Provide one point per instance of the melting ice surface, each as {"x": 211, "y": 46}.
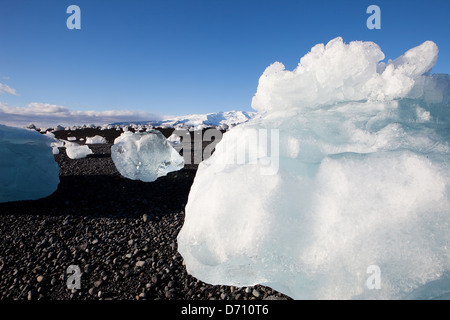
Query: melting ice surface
{"x": 28, "y": 170}
{"x": 96, "y": 140}
{"x": 145, "y": 156}
{"x": 362, "y": 179}
{"x": 76, "y": 151}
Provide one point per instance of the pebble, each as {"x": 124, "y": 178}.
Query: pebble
{"x": 256, "y": 293}
{"x": 140, "y": 263}
{"x": 169, "y": 294}
{"x": 30, "y": 295}
{"x": 155, "y": 278}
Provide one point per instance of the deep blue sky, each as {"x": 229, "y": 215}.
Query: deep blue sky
{"x": 184, "y": 56}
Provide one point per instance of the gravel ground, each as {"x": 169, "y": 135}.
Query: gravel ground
{"x": 121, "y": 233}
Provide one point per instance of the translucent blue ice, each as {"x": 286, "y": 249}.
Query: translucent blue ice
{"x": 359, "y": 177}
{"x": 145, "y": 156}
{"x": 28, "y": 170}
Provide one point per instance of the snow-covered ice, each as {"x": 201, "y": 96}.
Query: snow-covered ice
{"x": 96, "y": 140}
{"x": 55, "y": 144}
{"x": 362, "y": 179}
{"x": 217, "y": 119}
{"x": 145, "y": 156}
{"x": 174, "y": 139}
{"x": 58, "y": 128}
{"x": 28, "y": 170}
{"x": 76, "y": 151}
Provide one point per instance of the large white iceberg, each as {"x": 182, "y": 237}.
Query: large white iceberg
{"x": 145, "y": 156}
{"x": 28, "y": 170}
{"x": 344, "y": 189}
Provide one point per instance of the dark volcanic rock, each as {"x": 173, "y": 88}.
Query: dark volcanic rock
{"x": 120, "y": 233}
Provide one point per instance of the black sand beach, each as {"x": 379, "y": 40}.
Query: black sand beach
{"x": 120, "y": 232}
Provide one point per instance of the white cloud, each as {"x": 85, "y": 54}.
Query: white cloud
{"x": 49, "y": 115}
{"x": 7, "y": 89}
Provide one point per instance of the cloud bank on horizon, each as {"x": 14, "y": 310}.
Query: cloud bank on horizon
{"x": 49, "y": 115}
